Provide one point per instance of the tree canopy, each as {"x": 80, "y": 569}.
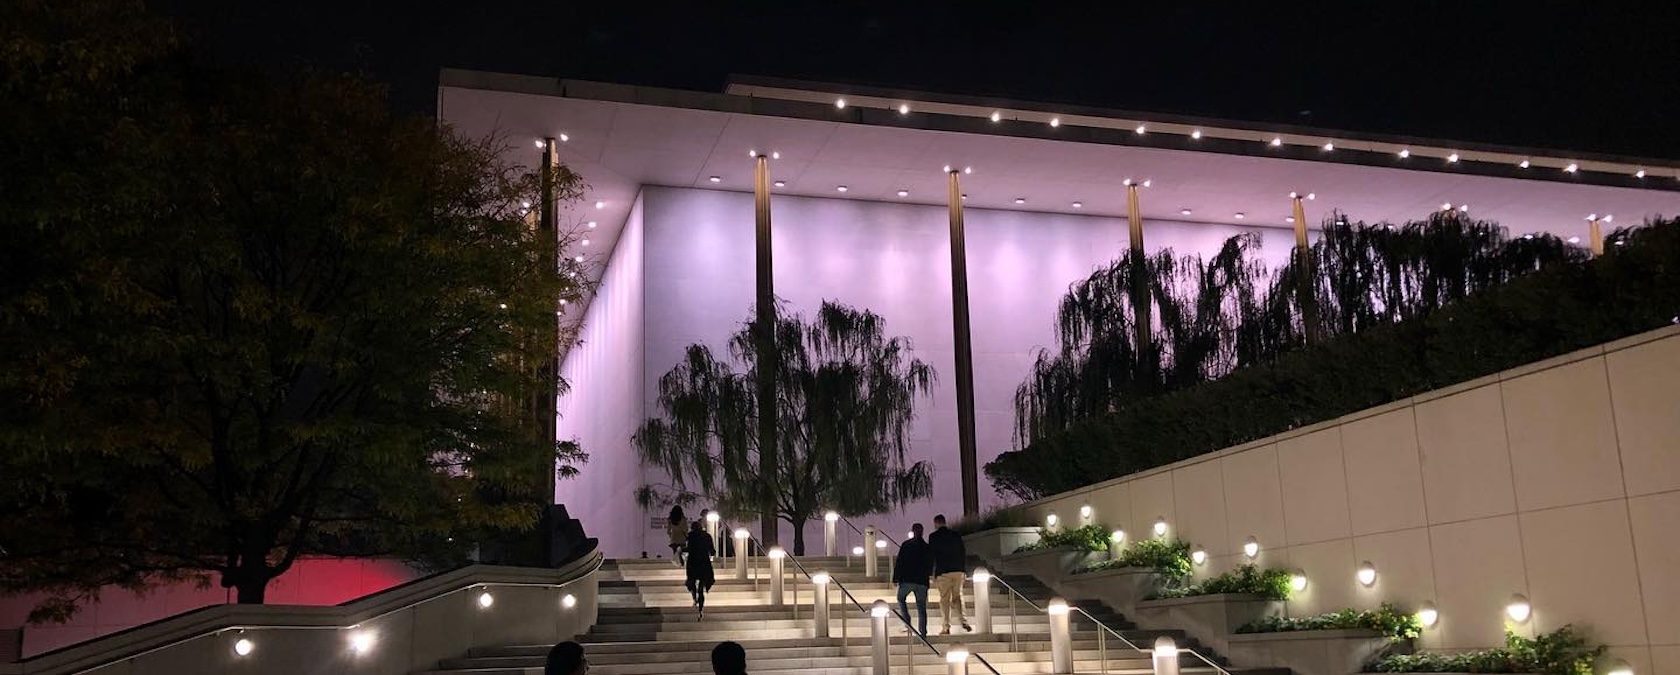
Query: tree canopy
{"x": 247, "y": 318}
{"x": 846, "y": 398}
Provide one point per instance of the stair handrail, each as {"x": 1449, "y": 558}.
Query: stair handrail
{"x": 859, "y": 605}
{"x": 882, "y": 533}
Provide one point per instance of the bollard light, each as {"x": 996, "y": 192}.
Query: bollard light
{"x": 712, "y": 517}
{"x": 244, "y": 647}
{"x": 956, "y": 661}
{"x": 1061, "y": 640}
{"x": 982, "y": 600}
{"x": 1428, "y": 615}
{"x": 1367, "y": 574}
{"x": 568, "y": 601}
{"x": 878, "y": 637}
{"x": 1518, "y": 609}
{"x": 1165, "y": 657}
{"x": 829, "y": 520}
{"x": 1117, "y": 536}
{"x": 777, "y": 583}
{"x": 776, "y": 553}
{"x": 819, "y": 604}
{"x": 1164, "y": 646}
{"x": 831, "y": 517}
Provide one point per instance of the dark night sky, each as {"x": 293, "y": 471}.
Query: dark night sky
{"x": 1599, "y": 77}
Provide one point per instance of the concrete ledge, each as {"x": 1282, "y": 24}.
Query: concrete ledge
{"x": 1212, "y": 619}
{"x": 1121, "y": 588}
{"x": 1312, "y": 652}
{"x": 994, "y": 544}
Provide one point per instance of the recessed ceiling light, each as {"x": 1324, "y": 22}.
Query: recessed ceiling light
{"x": 1078, "y": 205}
{"x": 1446, "y": 206}
{"x": 780, "y": 183}
{"x": 1572, "y": 168}
{"x": 1055, "y": 122}
{"x": 542, "y": 143}
{"x": 716, "y": 179}
{"x": 968, "y": 169}
{"x": 584, "y": 242}
{"x": 600, "y": 205}
{"x": 1197, "y": 134}
{"x": 997, "y": 116}
{"x": 1020, "y": 200}
{"x": 1238, "y": 215}
{"x": 775, "y": 154}
{"x": 591, "y": 224}
{"x": 903, "y": 108}
{"x": 965, "y": 198}
{"x": 564, "y": 138}
{"x": 1329, "y": 146}
{"x": 578, "y": 259}
{"x": 1574, "y": 240}
{"x": 903, "y": 193}
{"x": 841, "y": 188}
{"x": 1405, "y": 153}
{"x": 947, "y": 168}
{"x": 1148, "y": 182}
{"x": 1277, "y": 141}
{"x": 840, "y": 103}
{"x": 1452, "y": 158}
{"x": 1184, "y": 212}
{"x": 1523, "y": 164}
{"x": 752, "y": 153}
{"x": 1141, "y": 129}
{"x": 1528, "y": 236}
{"x": 1289, "y": 219}
{"x": 1639, "y": 174}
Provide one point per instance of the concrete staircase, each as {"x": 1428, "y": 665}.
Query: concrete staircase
{"x": 648, "y": 625}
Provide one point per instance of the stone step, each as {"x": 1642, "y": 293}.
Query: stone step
{"x": 1038, "y": 667}
{"x": 759, "y": 660}
{"x": 982, "y": 644}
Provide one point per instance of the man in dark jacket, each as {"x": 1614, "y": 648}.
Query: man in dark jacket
{"x": 911, "y": 572}
{"x": 949, "y": 559}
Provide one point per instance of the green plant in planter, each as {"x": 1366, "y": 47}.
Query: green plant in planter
{"x": 1271, "y": 584}
{"x": 993, "y": 518}
{"x": 1387, "y": 620}
{"x": 1086, "y": 538}
{"x": 1169, "y": 558}
{"x": 1560, "y": 652}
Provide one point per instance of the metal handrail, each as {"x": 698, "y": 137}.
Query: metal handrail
{"x": 1103, "y": 627}
{"x": 1110, "y": 631}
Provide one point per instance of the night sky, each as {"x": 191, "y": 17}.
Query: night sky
{"x": 1597, "y": 77}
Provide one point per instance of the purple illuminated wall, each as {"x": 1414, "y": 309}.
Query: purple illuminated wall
{"x": 695, "y": 277}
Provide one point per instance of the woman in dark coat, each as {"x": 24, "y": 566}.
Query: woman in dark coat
{"x": 699, "y": 568}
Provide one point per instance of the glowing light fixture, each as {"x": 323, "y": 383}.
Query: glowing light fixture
{"x": 903, "y": 193}
{"x": 564, "y": 138}
{"x": 1057, "y": 606}
{"x": 1148, "y": 182}
{"x": 1518, "y": 608}
{"x": 831, "y": 516}
{"x": 1020, "y": 200}
{"x": 591, "y": 224}
{"x": 1196, "y": 135}
{"x": 1251, "y": 548}
{"x": 840, "y": 103}
{"x": 577, "y": 259}
{"x": 1277, "y": 141}
{"x": 1117, "y": 536}
{"x": 1141, "y": 129}
{"x": 776, "y": 553}
{"x": 775, "y": 154}
{"x": 1052, "y": 520}
{"x": 879, "y": 610}
{"x": 1160, "y": 527}
{"x": 1289, "y": 219}
{"x": 1079, "y": 205}
{"x": 1452, "y": 158}
{"x": 711, "y": 517}
{"x": 997, "y": 116}
{"x": 1238, "y": 215}
{"x": 1198, "y": 556}
{"x": 880, "y": 543}
{"x": 361, "y": 641}
{"x": 244, "y": 647}
{"x": 1184, "y": 212}
{"x": 1164, "y": 646}
{"x": 584, "y": 242}
{"x": 947, "y": 168}
{"x": 1298, "y": 580}
{"x": 541, "y": 143}
{"x": 780, "y": 183}
{"x": 716, "y": 179}
{"x": 600, "y": 205}
{"x": 1523, "y": 164}
{"x": 1428, "y": 615}
{"x": 1639, "y": 174}
{"x": 841, "y": 188}
{"x": 1085, "y": 511}
{"x": 1619, "y": 667}
{"x": 1055, "y": 122}
{"x": 968, "y": 169}
{"x": 981, "y": 576}
{"x": 568, "y": 601}
{"x": 742, "y": 533}
{"x": 1367, "y": 573}
{"x": 821, "y": 578}
{"x": 1572, "y": 168}
{"x": 903, "y": 108}
{"x": 1574, "y": 240}
{"x": 857, "y": 550}
{"x": 485, "y": 600}
{"x": 1405, "y": 153}
{"x": 1329, "y": 146}
{"x": 956, "y": 655}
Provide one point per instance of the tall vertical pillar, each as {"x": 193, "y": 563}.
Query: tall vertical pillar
{"x": 965, "y": 353}
{"x": 1595, "y": 234}
{"x": 1142, "y": 309}
{"x": 765, "y": 325}
{"x": 545, "y": 411}
{"x": 1306, "y": 286}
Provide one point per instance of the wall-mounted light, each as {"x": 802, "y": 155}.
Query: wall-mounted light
{"x": 1367, "y": 574}
{"x": 1277, "y": 141}
{"x": 1198, "y": 556}
{"x": 1518, "y": 608}
{"x": 1251, "y": 548}
{"x": 568, "y": 601}
{"x": 1055, "y": 122}
{"x": 1619, "y": 667}
{"x": 1427, "y": 614}
{"x": 1141, "y": 129}
{"x": 997, "y": 116}
{"x": 1639, "y": 174}
{"x": 1085, "y": 511}
{"x": 1051, "y": 520}
{"x": 1117, "y": 536}
{"x": 1523, "y": 164}
{"x": 1298, "y": 580}
{"x": 1329, "y": 146}
{"x": 244, "y": 647}
{"x": 485, "y": 600}
{"x": 1161, "y": 526}
{"x": 361, "y": 641}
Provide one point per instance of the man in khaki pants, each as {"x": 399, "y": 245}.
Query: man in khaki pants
{"x": 949, "y": 559}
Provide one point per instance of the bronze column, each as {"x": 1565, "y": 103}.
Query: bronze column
{"x": 1306, "y": 288}
{"x": 1595, "y": 234}
{"x": 545, "y": 409}
{"x": 766, "y": 367}
{"x": 1142, "y": 310}
{"x": 964, "y": 355}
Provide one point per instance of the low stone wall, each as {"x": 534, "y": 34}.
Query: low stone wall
{"x": 1311, "y": 652}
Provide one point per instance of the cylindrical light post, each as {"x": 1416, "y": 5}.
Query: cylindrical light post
{"x": 775, "y": 554}
{"x": 982, "y": 601}
{"x": 830, "y": 520}
{"x": 956, "y": 661}
{"x": 869, "y": 552}
{"x": 741, "y": 537}
{"x": 1061, "y": 644}
{"x": 819, "y": 603}
{"x": 878, "y": 636}
{"x": 1166, "y": 656}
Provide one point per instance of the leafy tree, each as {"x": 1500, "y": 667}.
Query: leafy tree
{"x": 846, "y": 400}
{"x": 248, "y": 319}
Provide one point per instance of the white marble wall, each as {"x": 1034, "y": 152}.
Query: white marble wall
{"x": 1559, "y": 480}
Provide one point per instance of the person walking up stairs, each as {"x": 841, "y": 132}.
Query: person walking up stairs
{"x": 949, "y": 561}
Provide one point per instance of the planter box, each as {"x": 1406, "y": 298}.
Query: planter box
{"x": 1050, "y": 566}
{"x": 1121, "y": 588}
{"x": 1311, "y": 652}
{"x": 992, "y": 545}
{"x": 1212, "y": 619}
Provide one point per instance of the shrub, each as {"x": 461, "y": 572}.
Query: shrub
{"x": 1169, "y": 558}
{"x": 1567, "y": 306}
{"x": 1271, "y": 584}
{"x": 993, "y": 518}
{"x": 1561, "y": 652}
{"x": 1390, "y": 622}
{"x": 1087, "y": 538}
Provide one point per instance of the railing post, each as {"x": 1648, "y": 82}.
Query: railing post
{"x": 819, "y": 604}
{"x": 956, "y": 660}
{"x": 982, "y": 601}
{"x": 869, "y": 551}
{"x": 878, "y": 636}
{"x": 776, "y": 554}
{"x": 742, "y": 536}
{"x": 830, "y": 520}
{"x": 1061, "y": 646}
{"x": 1166, "y": 656}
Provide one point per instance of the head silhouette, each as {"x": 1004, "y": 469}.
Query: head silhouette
{"x": 566, "y": 658}
{"x": 729, "y": 658}
{"x": 939, "y": 521}
{"x": 916, "y": 531}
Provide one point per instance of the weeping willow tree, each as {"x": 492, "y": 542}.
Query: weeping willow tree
{"x": 846, "y": 396}
{"x": 1210, "y": 316}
